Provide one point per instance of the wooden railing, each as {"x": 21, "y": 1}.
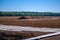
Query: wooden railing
{"x": 43, "y": 36}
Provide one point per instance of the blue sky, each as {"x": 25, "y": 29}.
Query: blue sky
{"x": 30, "y": 5}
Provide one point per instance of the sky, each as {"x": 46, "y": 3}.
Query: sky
{"x": 30, "y": 5}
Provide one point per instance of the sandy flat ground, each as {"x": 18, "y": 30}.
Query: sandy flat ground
{"x": 20, "y": 28}
{"x": 41, "y": 21}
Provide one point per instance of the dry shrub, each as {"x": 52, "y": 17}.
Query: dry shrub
{"x": 19, "y": 35}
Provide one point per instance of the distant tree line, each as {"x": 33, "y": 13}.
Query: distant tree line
{"x": 29, "y": 14}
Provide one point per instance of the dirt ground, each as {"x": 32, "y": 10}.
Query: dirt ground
{"x": 35, "y": 23}
{"x": 16, "y": 35}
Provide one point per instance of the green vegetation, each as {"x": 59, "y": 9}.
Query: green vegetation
{"x": 29, "y": 14}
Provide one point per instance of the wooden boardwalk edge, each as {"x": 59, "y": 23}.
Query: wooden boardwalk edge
{"x": 43, "y": 36}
